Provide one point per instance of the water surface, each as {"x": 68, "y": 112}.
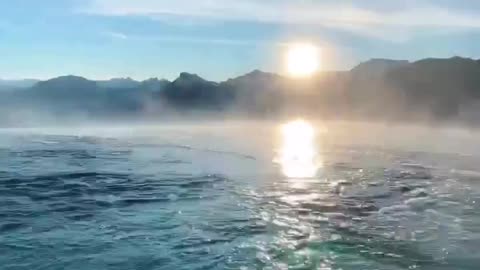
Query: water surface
{"x": 282, "y": 196}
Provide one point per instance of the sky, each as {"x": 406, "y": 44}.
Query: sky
{"x": 220, "y": 39}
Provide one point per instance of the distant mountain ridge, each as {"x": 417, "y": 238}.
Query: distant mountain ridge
{"x": 436, "y": 89}
{"x": 22, "y": 83}
{"x": 380, "y": 64}
{"x": 119, "y": 83}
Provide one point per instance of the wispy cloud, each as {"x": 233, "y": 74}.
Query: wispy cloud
{"x": 116, "y": 35}
{"x": 192, "y": 40}
{"x": 327, "y": 13}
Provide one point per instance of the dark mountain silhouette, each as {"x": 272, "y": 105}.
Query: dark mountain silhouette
{"x": 66, "y": 94}
{"x": 70, "y": 85}
{"x": 380, "y": 89}
{"x": 443, "y": 86}
{"x": 256, "y": 92}
{"x": 154, "y": 84}
{"x": 190, "y": 91}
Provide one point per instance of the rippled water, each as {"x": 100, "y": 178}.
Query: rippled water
{"x": 214, "y": 197}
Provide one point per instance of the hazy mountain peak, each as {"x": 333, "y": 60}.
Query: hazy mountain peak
{"x": 254, "y": 75}
{"x": 449, "y": 61}
{"x": 122, "y": 79}
{"x": 71, "y": 77}
{"x": 379, "y": 65}
{"x": 65, "y": 83}
{"x": 258, "y": 73}
{"x": 189, "y": 76}
{"x": 154, "y": 84}
{"x": 186, "y": 78}
{"x": 119, "y": 83}
{"x": 67, "y": 78}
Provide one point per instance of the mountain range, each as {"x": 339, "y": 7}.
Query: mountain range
{"x": 16, "y": 84}
{"x": 379, "y": 89}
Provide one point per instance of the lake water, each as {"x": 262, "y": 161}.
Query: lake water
{"x": 292, "y": 195}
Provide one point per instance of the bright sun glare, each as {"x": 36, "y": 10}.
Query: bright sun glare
{"x": 302, "y": 60}
{"x": 298, "y": 153}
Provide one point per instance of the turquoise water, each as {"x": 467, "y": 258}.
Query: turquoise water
{"x": 213, "y": 197}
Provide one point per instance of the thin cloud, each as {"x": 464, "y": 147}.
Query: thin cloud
{"x": 423, "y": 14}
{"x": 116, "y": 35}
{"x": 181, "y": 39}
{"x": 392, "y": 21}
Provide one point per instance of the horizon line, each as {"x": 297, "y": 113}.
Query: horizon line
{"x": 225, "y": 79}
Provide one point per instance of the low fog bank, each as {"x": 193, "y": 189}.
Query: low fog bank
{"x": 426, "y": 92}
{"x": 250, "y": 136}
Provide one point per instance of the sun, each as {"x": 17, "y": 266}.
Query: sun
{"x": 302, "y": 59}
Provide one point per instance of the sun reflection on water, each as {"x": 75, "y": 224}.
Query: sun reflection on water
{"x": 298, "y": 155}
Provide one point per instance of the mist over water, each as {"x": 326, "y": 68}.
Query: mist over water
{"x": 427, "y": 91}
{"x": 294, "y": 194}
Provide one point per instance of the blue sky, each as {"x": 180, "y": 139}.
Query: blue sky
{"x": 218, "y": 39}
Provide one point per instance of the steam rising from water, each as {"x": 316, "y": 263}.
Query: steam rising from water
{"x": 207, "y": 196}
